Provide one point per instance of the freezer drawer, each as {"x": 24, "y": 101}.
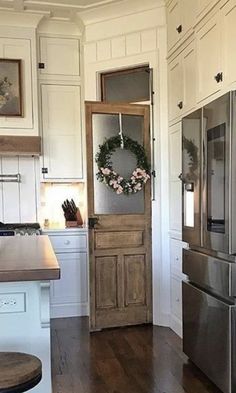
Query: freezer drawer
{"x": 209, "y": 272}
{"x": 209, "y": 336}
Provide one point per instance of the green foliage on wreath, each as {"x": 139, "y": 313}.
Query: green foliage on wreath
{"x": 106, "y": 173}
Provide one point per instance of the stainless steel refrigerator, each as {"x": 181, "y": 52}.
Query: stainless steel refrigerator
{"x": 209, "y": 227}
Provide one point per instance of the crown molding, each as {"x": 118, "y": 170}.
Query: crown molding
{"x": 20, "y": 19}
{"x": 118, "y": 9}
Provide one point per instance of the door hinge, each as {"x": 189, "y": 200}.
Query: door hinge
{"x": 154, "y": 173}
{"x": 44, "y": 170}
{"x": 41, "y": 65}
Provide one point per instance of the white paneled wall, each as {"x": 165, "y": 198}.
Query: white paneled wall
{"x": 122, "y": 46}
{"x": 18, "y": 201}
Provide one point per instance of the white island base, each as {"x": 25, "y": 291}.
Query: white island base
{"x": 25, "y": 324}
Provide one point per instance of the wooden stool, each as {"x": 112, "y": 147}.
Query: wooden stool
{"x": 19, "y": 372}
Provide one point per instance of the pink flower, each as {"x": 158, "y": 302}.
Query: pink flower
{"x": 119, "y": 190}
{"x": 138, "y": 186}
{"x": 115, "y": 184}
{"x": 105, "y": 171}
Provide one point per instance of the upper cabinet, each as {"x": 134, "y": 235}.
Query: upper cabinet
{"x": 209, "y": 64}
{"x": 182, "y": 82}
{"x": 180, "y": 20}
{"x": 61, "y": 108}
{"x": 23, "y": 49}
{"x": 59, "y": 58}
{"x": 204, "y": 6}
{"x": 228, "y": 19}
{"x": 62, "y": 140}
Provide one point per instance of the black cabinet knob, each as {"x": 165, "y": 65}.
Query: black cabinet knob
{"x": 180, "y": 104}
{"x": 179, "y": 29}
{"x": 219, "y": 77}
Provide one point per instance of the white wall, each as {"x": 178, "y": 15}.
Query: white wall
{"x": 130, "y": 40}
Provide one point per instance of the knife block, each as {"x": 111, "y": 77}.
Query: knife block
{"x": 76, "y": 223}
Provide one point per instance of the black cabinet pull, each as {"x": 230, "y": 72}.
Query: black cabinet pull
{"x": 41, "y": 65}
{"x": 179, "y": 29}
{"x": 219, "y": 77}
{"x": 180, "y": 104}
{"x": 44, "y": 170}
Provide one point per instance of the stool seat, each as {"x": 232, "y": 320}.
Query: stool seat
{"x": 19, "y": 372}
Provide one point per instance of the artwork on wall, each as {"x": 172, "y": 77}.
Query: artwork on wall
{"x": 10, "y": 88}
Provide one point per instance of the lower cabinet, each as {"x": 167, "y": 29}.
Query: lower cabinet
{"x": 176, "y": 248}
{"x": 69, "y": 295}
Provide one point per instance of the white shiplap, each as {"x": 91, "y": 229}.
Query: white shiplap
{"x": 18, "y": 201}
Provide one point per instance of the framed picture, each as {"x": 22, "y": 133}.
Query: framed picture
{"x": 10, "y": 88}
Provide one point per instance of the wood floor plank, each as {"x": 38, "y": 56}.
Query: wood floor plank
{"x": 142, "y": 359}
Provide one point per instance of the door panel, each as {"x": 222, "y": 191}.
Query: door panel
{"x": 106, "y": 282}
{"x": 135, "y": 279}
{"x": 120, "y": 257}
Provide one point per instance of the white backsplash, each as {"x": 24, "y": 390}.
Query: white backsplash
{"x": 52, "y": 197}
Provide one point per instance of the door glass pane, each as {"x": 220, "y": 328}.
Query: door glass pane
{"x": 216, "y": 179}
{"x": 106, "y": 201}
{"x": 131, "y": 85}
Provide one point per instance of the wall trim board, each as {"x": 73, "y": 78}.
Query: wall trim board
{"x": 20, "y": 145}
{"x": 69, "y": 310}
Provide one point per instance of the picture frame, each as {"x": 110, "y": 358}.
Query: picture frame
{"x": 11, "y": 88}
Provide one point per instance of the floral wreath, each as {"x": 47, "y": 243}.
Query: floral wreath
{"x": 112, "y": 179}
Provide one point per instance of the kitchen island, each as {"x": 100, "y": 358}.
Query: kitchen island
{"x": 27, "y": 264}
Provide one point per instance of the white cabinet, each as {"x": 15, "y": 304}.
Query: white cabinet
{"x": 209, "y": 65}
{"x": 69, "y": 295}
{"x": 59, "y": 58}
{"x": 204, "y": 6}
{"x": 62, "y": 134}
{"x": 17, "y": 48}
{"x": 182, "y": 82}
{"x": 175, "y": 185}
{"x": 181, "y": 16}
{"x": 174, "y": 27}
{"x": 176, "y": 251}
{"x": 228, "y": 18}
{"x": 175, "y": 88}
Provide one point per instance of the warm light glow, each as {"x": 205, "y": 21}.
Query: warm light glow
{"x": 189, "y": 208}
{"x": 52, "y": 197}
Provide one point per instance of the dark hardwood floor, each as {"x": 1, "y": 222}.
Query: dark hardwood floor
{"x": 142, "y": 359}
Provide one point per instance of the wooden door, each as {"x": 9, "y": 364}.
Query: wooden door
{"x": 120, "y": 242}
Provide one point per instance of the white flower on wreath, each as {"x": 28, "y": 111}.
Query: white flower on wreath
{"x": 138, "y": 187}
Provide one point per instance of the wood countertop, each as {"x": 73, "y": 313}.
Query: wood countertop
{"x": 27, "y": 258}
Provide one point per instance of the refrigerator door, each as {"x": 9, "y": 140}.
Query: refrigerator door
{"x": 207, "y": 340}
{"x": 191, "y": 178}
{"x": 216, "y": 174}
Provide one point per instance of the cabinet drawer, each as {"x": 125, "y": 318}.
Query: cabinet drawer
{"x": 176, "y": 297}
{"x": 69, "y": 242}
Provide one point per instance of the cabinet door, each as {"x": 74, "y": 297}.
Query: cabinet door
{"x": 175, "y": 183}
{"x": 189, "y": 77}
{"x": 176, "y": 297}
{"x": 61, "y": 120}
{"x": 228, "y": 16}
{"x": 208, "y": 58}
{"x": 72, "y": 288}
{"x": 175, "y": 88}
{"x": 60, "y": 56}
{"x": 173, "y": 23}
{"x": 188, "y": 11}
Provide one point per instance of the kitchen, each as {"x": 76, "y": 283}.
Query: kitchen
{"x": 96, "y": 40}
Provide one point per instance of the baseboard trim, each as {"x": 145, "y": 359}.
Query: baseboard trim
{"x": 176, "y": 325}
{"x": 69, "y": 310}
